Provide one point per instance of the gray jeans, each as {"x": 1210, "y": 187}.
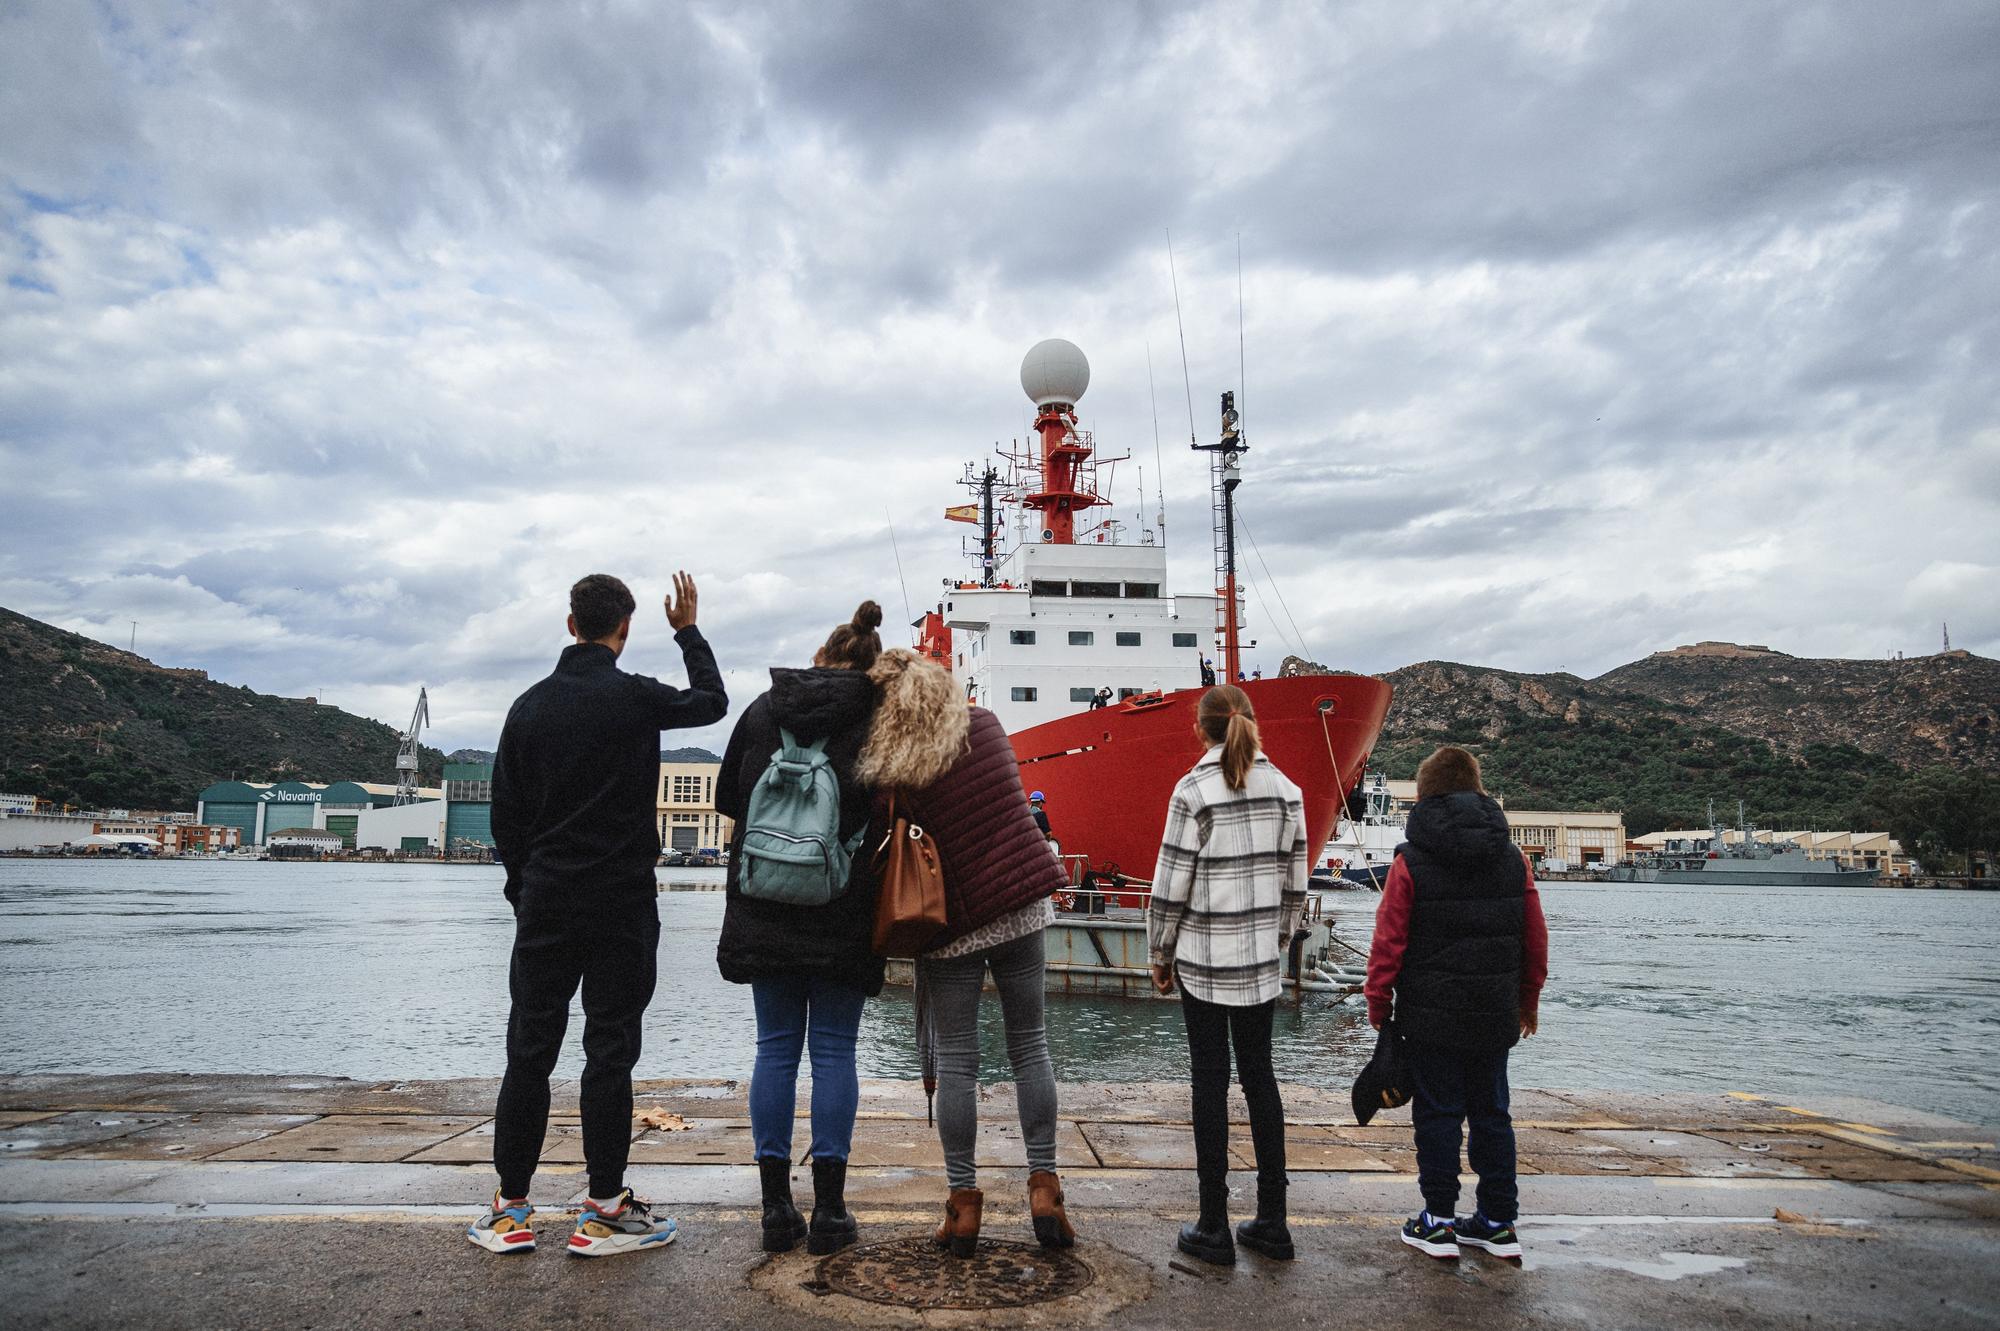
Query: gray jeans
{"x": 952, "y": 988}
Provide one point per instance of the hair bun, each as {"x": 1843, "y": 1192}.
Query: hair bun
{"x": 868, "y": 618}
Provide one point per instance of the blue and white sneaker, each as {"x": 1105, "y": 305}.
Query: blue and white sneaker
{"x": 504, "y": 1229}
{"x": 629, "y": 1225}
{"x": 1479, "y": 1232}
{"x": 1431, "y": 1236}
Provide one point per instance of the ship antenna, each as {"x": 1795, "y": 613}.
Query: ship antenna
{"x": 1242, "y": 377}
{"x": 1187, "y": 380}
{"x": 1159, "y": 467}
{"x": 898, "y": 552}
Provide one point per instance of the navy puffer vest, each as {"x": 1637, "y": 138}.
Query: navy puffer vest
{"x": 1460, "y": 985}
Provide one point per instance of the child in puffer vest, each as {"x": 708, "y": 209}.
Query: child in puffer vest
{"x": 1460, "y": 955}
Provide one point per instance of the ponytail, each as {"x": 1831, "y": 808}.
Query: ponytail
{"x": 1226, "y": 717}
{"x": 1239, "y": 750}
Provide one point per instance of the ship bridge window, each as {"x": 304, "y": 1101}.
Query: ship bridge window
{"x": 1021, "y": 637}
{"x": 1084, "y": 694}
{"x": 1185, "y": 640}
{"x": 1128, "y": 640}
{"x": 1142, "y": 590}
{"x": 1093, "y": 589}
{"x": 1024, "y": 695}
{"x": 1081, "y": 637}
{"x": 1042, "y": 587}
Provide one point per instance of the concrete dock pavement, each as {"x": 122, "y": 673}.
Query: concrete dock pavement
{"x": 197, "y": 1201}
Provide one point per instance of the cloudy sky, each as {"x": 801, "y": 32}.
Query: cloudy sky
{"x": 339, "y": 337}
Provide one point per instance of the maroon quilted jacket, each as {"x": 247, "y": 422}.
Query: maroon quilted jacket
{"x": 995, "y": 858}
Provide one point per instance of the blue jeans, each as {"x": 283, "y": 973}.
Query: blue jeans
{"x": 1457, "y": 1087}
{"x": 793, "y": 1011}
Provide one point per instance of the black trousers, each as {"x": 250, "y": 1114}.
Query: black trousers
{"x": 609, "y": 944}
{"x": 1212, "y": 1028}
{"x": 1463, "y": 1089}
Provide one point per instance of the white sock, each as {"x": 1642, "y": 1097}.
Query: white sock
{"x": 505, "y": 1202}
{"x": 605, "y": 1205}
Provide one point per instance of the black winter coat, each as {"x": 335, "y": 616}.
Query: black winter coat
{"x": 766, "y": 939}
{"x": 578, "y": 771}
{"x": 1460, "y": 983}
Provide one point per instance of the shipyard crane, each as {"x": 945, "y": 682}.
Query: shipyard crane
{"x": 406, "y": 756}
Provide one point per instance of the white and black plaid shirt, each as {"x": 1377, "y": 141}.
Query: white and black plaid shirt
{"x": 1230, "y": 886}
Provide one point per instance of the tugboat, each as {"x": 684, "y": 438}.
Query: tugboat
{"x": 1065, "y": 607}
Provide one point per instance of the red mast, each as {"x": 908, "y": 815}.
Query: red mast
{"x": 1054, "y": 374}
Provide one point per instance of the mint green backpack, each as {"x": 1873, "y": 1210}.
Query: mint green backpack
{"x": 792, "y": 851}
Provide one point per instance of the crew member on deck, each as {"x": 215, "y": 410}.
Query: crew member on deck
{"x": 1102, "y": 698}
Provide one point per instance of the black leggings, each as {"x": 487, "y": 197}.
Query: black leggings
{"x": 1211, "y": 1028}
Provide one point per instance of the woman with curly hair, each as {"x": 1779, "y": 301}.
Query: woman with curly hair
{"x": 953, "y": 772}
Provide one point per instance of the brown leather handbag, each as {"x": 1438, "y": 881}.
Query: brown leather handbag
{"x": 910, "y": 908}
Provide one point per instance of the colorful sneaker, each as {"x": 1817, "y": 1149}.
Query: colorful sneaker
{"x": 1431, "y": 1236}
{"x": 627, "y": 1226}
{"x": 1479, "y": 1232}
{"x": 504, "y": 1229}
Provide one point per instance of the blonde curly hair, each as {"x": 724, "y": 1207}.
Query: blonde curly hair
{"x": 920, "y": 723}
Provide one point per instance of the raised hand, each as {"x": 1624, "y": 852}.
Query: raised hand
{"x": 681, "y": 605}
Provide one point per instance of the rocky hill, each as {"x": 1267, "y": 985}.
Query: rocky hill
{"x": 1799, "y": 740}
{"x": 88, "y": 724}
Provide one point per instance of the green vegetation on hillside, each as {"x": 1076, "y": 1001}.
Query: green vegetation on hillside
{"x": 1660, "y": 770}
{"x": 86, "y": 724}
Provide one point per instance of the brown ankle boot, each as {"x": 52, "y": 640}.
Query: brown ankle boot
{"x": 1045, "y": 1204}
{"x": 960, "y": 1230}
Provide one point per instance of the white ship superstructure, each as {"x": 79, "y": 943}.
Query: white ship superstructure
{"x": 1068, "y": 620}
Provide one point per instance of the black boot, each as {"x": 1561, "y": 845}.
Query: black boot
{"x": 832, "y": 1228}
{"x": 783, "y": 1225}
{"x": 1267, "y": 1234}
{"x": 1207, "y": 1239}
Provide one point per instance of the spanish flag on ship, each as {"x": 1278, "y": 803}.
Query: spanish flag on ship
{"x": 963, "y": 513}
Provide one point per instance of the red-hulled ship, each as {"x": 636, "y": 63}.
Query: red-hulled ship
{"x": 1064, "y": 609}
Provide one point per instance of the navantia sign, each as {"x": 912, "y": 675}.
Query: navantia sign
{"x": 289, "y": 796}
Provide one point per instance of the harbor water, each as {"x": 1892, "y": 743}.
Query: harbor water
{"x": 378, "y": 971}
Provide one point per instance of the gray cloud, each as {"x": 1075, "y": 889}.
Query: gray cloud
{"x": 336, "y": 340}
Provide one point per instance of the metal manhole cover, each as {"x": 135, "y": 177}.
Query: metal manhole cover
{"x": 916, "y": 1273}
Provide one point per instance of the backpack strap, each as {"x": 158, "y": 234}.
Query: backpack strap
{"x": 791, "y": 741}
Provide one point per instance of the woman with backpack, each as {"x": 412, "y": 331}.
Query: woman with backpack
{"x": 951, "y": 771}
{"x": 798, "y": 923}
{"x": 1228, "y": 893}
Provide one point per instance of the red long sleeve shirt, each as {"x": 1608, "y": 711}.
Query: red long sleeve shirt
{"x": 1392, "y": 936}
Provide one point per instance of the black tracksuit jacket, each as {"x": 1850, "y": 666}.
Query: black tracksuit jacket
{"x": 576, "y": 781}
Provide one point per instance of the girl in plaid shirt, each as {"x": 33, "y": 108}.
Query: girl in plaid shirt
{"x": 1228, "y": 892}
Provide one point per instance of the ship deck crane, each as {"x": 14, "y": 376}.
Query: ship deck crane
{"x": 406, "y": 756}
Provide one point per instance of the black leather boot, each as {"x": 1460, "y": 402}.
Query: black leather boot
{"x": 783, "y": 1225}
{"x": 1207, "y": 1239}
{"x": 832, "y": 1228}
{"x": 1268, "y": 1234}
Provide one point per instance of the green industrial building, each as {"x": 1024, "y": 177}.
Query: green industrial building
{"x": 468, "y": 805}
{"x": 261, "y": 808}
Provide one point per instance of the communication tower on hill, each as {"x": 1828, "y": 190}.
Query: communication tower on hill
{"x": 406, "y": 756}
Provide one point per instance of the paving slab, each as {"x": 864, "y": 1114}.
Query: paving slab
{"x": 190, "y": 1137}
{"x": 360, "y": 1138}
{"x": 475, "y": 1146}
{"x": 1311, "y": 1150}
{"x": 12, "y": 1117}
{"x": 55, "y": 1133}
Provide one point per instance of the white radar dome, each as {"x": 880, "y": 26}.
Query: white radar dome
{"x": 1054, "y": 371}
